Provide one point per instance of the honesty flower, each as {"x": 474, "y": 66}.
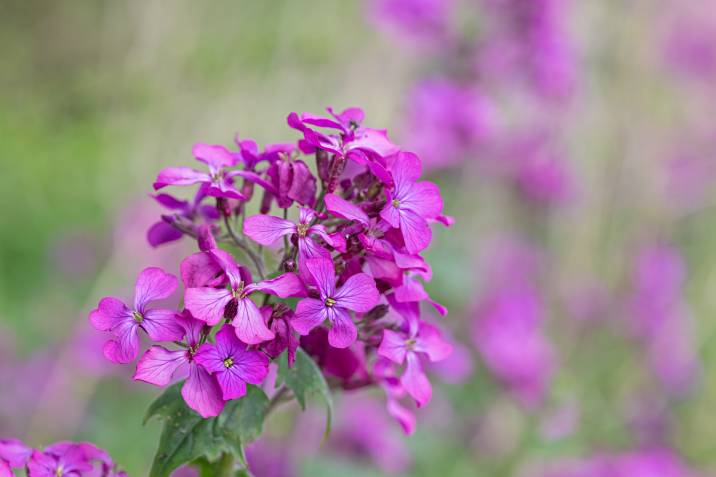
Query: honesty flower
{"x": 124, "y": 323}
{"x": 13, "y": 455}
{"x": 163, "y": 232}
{"x": 410, "y": 203}
{"x": 234, "y": 303}
{"x": 200, "y": 391}
{"x": 421, "y": 339}
{"x": 358, "y": 293}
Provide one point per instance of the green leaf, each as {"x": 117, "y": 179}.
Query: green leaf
{"x": 306, "y": 379}
{"x": 187, "y": 436}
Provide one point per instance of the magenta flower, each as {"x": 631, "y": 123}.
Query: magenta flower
{"x": 267, "y": 229}
{"x": 234, "y": 303}
{"x": 163, "y": 232}
{"x": 421, "y": 339}
{"x": 68, "y": 461}
{"x": 124, "y": 323}
{"x": 410, "y": 204}
{"x": 200, "y": 391}
{"x": 232, "y": 364}
{"x": 291, "y": 180}
{"x": 13, "y": 455}
{"x": 358, "y": 293}
{"x": 279, "y": 321}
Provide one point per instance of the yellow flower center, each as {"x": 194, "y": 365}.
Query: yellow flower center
{"x": 138, "y": 318}
{"x": 302, "y": 230}
{"x": 396, "y": 203}
{"x": 228, "y": 362}
{"x": 330, "y": 302}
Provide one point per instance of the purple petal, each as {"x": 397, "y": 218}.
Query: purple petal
{"x": 209, "y": 358}
{"x": 283, "y": 286}
{"x": 180, "y": 176}
{"x": 158, "y": 365}
{"x": 213, "y": 155}
{"x": 405, "y": 169}
{"x": 193, "y": 328}
{"x": 416, "y": 231}
{"x": 267, "y": 229}
{"x": 344, "y": 209}
{"x": 249, "y": 323}
{"x": 374, "y": 140}
{"x": 424, "y": 199}
{"x": 343, "y": 332}
{"x": 227, "y": 343}
{"x": 170, "y": 202}
{"x": 303, "y": 184}
{"x": 309, "y": 314}
{"x": 161, "y": 233}
{"x": 232, "y": 387}
{"x": 415, "y": 382}
{"x": 430, "y": 341}
{"x": 201, "y": 270}
{"x": 162, "y": 325}
{"x": 250, "y": 366}
{"x": 390, "y": 213}
{"x": 153, "y": 284}
{"x": 207, "y": 304}
{"x": 256, "y": 179}
{"x": 322, "y": 271}
{"x": 110, "y": 312}
{"x": 358, "y": 293}
{"x": 404, "y": 416}
{"x": 5, "y": 470}
{"x": 14, "y": 452}
{"x": 306, "y": 215}
{"x": 125, "y": 347}
{"x": 228, "y": 264}
{"x": 393, "y": 346}
{"x": 202, "y": 393}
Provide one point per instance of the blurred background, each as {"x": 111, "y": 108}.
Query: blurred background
{"x": 576, "y": 148}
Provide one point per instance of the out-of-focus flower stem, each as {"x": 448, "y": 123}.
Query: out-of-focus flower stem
{"x": 241, "y": 243}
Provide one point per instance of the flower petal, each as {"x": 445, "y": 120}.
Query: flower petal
{"x": 153, "y": 284}
{"x": 5, "y": 470}
{"x": 161, "y": 232}
{"x": 201, "y": 270}
{"x": 180, "y": 176}
{"x": 250, "y": 366}
{"x": 393, "y": 346}
{"x": 14, "y": 452}
{"x": 343, "y": 332}
{"x": 431, "y": 342}
{"x": 209, "y": 357}
{"x": 110, "y": 312}
{"x": 416, "y": 231}
{"x": 344, "y": 209}
{"x": 125, "y": 347}
{"x": 322, "y": 271}
{"x": 214, "y": 155}
{"x": 162, "y": 325}
{"x": 232, "y": 386}
{"x": 267, "y": 229}
{"x": 228, "y": 264}
{"x": 405, "y": 169}
{"x": 358, "y": 293}
{"x": 207, "y": 304}
{"x": 158, "y": 365}
{"x": 202, "y": 393}
{"x": 309, "y": 314}
{"x": 415, "y": 382}
{"x": 424, "y": 199}
{"x": 283, "y": 286}
{"x": 249, "y": 323}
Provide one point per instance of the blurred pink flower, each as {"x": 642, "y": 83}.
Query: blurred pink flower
{"x": 418, "y": 22}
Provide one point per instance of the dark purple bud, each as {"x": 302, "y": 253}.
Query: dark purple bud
{"x": 222, "y": 205}
{"x": 266, "y": 202}
{"x": 376, "y": 313}
{"x": 289, "y": 265}
{"x": 323, "y": 164}
{"x": 285, "y": 177}
{"x": 205, "y": 238}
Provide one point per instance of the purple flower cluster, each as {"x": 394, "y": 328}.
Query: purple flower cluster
{"x": 62, "y": 459}
{"x": 348, "y": 278}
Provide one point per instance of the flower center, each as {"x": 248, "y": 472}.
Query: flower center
{"x": 302, "y": 230}
{"x": 59, "y": 471}
{"x": 330, "y": 302}
{"x": 396, "y": 203}
{"x": 138, "y": 318}
{"x": 228, "y": 362}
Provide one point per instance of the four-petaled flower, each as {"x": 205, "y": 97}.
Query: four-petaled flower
{"x": 358, "y": 293}
{"x": 114, "y": 316}
{"x": 232, "y": 364}
{"x": 234, "y": 302}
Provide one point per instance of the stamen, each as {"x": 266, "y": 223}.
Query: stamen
{"x": 137, "y": 317}
{"x": 396, "y": 203}
{"x": 228, "y": 362}
{"x": 330, "y": 302}
{"x": 302, "y": 229}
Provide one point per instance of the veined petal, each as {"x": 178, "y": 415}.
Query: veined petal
{"x": 207, "y": 304}
{"x": 180, "y": 176}
{"x": 227, "y": 344}
{"x": 228, "y": 264}
{"x": 358, "y": 293}
{"x": 14, "y": 452}
{"x": 320, "y": 230}
{"x": 158, "y": 365}
{"x": 153, "y": 284}
{"x": 309, "y": 314}
{"x": 306, "y": 215}
{"x": 110, "y": 312}
{"x": 393, "y": 346}
{"x": 405, "y": 169}
{"x": 201, "y": 270}
{"x": 170, "y": 202}
{"x": 202, "y": 393}
{"x": 267, "y": 229}
{"x": 249, "y": 323}
{"x": 343, "y": 332}
{"x": 255, "y": 178}
{"x": 391, "y": 213}
{"x": 250, "y": 366}
{"x": 283, "y": 286}
{"x": 415, "y": 382}
{"x": 322, "y": 271}
{"x": 209, "y": 357}
{"x": 162, "y": 325}
{"x": 125, "y": 347}
{"x": 344, "y": 209}
{"x": 416, "y": 231}
{"x": 232, "y": 386}
{"x": 424, "y": 199}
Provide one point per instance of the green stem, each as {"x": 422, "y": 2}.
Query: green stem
{"x": 226, "y": 465}
{"x": 241, "y": 243}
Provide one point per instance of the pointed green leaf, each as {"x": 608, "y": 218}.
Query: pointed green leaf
{"x": 306, "y": 379}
